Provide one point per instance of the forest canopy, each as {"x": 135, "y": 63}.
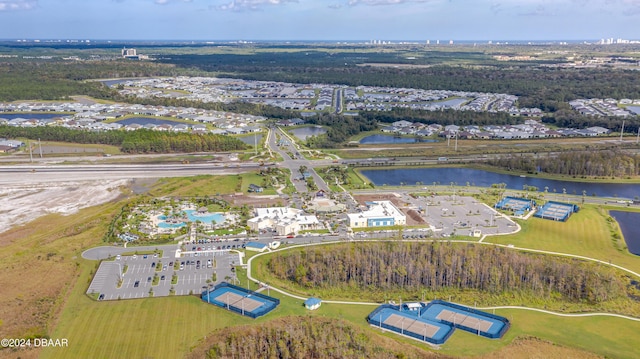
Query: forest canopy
{"x": 602, "y": 163}
{"x": 436, "y": 266}
{"x": 306, "y": 337}
{"x": 139, "y": 141}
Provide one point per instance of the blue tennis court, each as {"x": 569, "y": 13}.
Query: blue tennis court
{"x": 557, "y": 211}
{"x": 465, "y": 318}
{"x": 240, "y": 300}
{"x": 518, "y": 205}
{"x": 408, "y": 323}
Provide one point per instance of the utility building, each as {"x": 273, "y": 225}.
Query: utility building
{"x": 378, "y": 214}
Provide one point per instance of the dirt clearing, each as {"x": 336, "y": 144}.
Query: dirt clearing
{"x": 22, "y": 203}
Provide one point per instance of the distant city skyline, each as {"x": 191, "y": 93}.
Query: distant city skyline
{"x": 332, "y": 20}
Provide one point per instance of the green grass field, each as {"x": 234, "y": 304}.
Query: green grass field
{"x": 170, "y": 327}
{"x": 599, "y": 335}
{"x": 143, "y": 328}
{"x": 206, "y": 185}
{"x": 586, "y": 233}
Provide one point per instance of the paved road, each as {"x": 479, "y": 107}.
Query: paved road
{"x": 57, "y": 173}
{"x": 104, "y": 252}
{"x": 294, "y": 164}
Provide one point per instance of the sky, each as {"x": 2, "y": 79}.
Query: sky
{"x": 335, "y": 20}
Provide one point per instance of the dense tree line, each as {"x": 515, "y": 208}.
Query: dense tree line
{"x": 444, "y": 117}
{"x": 572, "y": 119}
{"x": 236, "y": 106}
{"x": 139, "y": 141}
{"x": 602, "y": 163}
{"x": 305, "y": 337}
{"x": 57, "y": 80}
{"x": 35, "y": 83}
{"x": 438, "y": 266}
{"x": 544, "y": 87}
{"x": 339, "y": 129}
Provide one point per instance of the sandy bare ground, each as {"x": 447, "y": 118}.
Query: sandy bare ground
{"x": 22, "y": 203}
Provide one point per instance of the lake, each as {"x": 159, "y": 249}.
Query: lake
{"x": 388, "y": 139}
{"x": 112, "y": 83}
{"x": 146, "y": 121}
{"x": 454, "y": 102}
{"x": 31, "y": 116}
{"x": 634, "y": 109}
{"x": 304, "y": 132}
{"x": 628, "y": 222}
{"x": 481, "y": 178}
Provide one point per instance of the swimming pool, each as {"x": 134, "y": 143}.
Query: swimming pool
{"x": 193, "y": 216}
{"x": 204, "y": 218}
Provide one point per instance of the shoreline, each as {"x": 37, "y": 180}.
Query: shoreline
{"x": 358, "y": 170}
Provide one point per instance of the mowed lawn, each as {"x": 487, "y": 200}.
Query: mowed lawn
{"x": 163, "y": 327}
{"x": 166, "y": 327}
{"x": 606, "y": 336}
{"x": 208, "y": 185}
{"x": 202, "y": 185}
{"x": 170, "y": 327}
{"x": 586, "y": 233}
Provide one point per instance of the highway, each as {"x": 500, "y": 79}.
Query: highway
{"x": 20, "y": 174}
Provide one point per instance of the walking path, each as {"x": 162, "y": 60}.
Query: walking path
{"x": 250, "y": 277}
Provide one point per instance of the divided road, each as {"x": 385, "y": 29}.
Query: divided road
{"x": 56, "y": 173}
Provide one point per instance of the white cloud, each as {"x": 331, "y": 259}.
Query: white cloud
{"x": 164, "y": 2}
{"x": 538, "y": 11}
{"x": 242, "y": 5}
{"x": 383, "y": 2}
{"x": 12, "y": 5}
{"x": 632, "y": 7}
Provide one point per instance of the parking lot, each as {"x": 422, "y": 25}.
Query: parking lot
{"x": 140, "y": 276}
{"x": 459, "y": 215}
